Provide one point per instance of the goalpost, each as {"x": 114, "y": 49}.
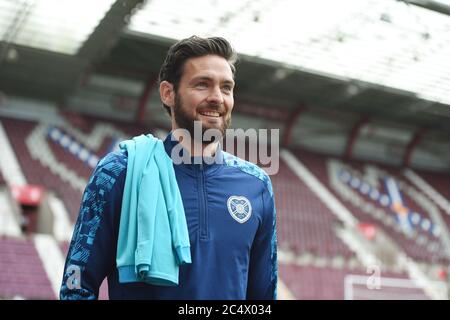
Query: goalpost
{"x": 360, "y": 287}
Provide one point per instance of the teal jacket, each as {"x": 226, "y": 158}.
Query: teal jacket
{"x": 153, "y": 236}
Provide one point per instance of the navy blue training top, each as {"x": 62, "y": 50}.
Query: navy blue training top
{"x": 231, "y": 217}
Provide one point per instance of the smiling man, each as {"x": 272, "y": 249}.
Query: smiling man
{"x": 228, "y": 203}
{"x": 204, "y": 93}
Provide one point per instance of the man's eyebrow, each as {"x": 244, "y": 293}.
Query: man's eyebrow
{"x": 231, "y": 82}
{"x": 207, "y": 78}
{"x": 201, "y": 78}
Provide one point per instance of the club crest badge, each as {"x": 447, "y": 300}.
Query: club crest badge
{"x": 239, "y": 208}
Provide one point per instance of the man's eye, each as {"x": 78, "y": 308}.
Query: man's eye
{"x": 201, "y": 85}
{"x": 227, "y": 88}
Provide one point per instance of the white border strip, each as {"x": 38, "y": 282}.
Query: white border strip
{"x": 428, "y": 190}
{"x": 9, "y": 165}
{"x": 52, "y": 260}
{"x": 62, "y": 227}
{"x": 8, "y": 223}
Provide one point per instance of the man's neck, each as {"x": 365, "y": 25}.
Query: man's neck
{"x": 196, "y": 148}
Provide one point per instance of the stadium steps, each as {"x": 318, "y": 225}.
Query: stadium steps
{"x": 367, "y": 211}
{"x": 23, "y": 275}
{"x": 304, "y": 222}
{"x": 431, "y": 191}
{"x": 325, "y": 283}
{"x": 319, "y": 168}
{"x": 414, "y": 245}
{"x": 35, "y": 173}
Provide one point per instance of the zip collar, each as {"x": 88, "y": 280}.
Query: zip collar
{"x": 194, "y": 165}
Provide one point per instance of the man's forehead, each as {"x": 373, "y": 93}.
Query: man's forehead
{"x": 210, "y": 66}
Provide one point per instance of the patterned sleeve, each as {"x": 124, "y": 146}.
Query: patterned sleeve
{"x": 263, "y": 271}
{"x": 92, "y": 250}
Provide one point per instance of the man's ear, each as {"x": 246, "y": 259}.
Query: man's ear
{"x": 167, "y": 93}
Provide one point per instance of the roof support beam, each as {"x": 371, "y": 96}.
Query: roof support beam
{"x": 354, "y": 133}
{"x": 292, "y": 120}
{"x": 415, "y": 140}
{"x": 430, "y": 5}
{"x": 108, "y": 31}
{"x": 145, "y": 97}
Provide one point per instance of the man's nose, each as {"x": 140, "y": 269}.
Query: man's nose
{"x": 215, "y": 96}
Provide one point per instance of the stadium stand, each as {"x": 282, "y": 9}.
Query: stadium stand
{"x": 306, "y": 226}
{"x": 325, "y": 89}
{"x": 23, "y": 275}
{"x": 68, "y": 187}
{"x": 326, "y": 283}
{"x": 98, "y": 137}
{"x": 420, "y": 247}
{"x": 34, "y": 171}
{"x": 304, "y": 223}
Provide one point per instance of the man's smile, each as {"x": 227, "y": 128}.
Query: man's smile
{"x": 213, "y": 114}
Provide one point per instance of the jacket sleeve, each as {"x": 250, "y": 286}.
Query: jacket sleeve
{"x": 92, "y": 250}
{"x": 263, "y": 270}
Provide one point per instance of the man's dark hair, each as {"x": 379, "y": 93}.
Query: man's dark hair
{"x": 173, "y": 66}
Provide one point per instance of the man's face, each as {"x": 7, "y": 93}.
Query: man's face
{"x": 205, "y": 93}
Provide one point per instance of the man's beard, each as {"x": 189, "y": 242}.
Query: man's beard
{"x": 185, "y": 121}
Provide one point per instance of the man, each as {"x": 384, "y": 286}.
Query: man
{"x": 228, "y": 203}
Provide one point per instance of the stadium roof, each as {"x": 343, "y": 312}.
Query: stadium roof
{"x": 378, "y": 59}
{"x": 388, "y": 43}
{"x": 61, "y": 26}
